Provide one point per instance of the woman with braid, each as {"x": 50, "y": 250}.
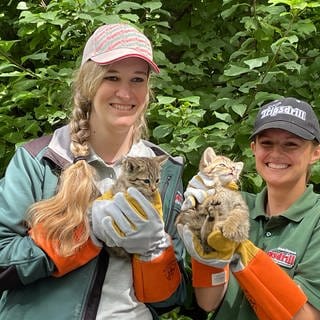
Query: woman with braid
{"x": 55, "y": 229}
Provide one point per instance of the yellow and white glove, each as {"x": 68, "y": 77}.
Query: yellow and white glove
{"x": 199, "y": 187}
{"x": 132, "y": 222}
{"x": 272, "y": 293}
{"x": 196, "y": 191}
{"x": 208, "y": 269}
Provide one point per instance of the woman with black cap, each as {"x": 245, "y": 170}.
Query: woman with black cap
{"x": 274, "y": 275}
{"x": 54, "y": 261}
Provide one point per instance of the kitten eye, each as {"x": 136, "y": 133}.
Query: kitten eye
{"x": 147, "y": 181}
{"x": 157, "y": 181}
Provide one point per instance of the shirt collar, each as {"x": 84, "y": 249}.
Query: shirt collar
{"x": 296, "y": 212}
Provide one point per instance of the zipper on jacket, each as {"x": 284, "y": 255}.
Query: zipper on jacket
{"x": 95, "y": 289}
{"x": 163, "y": 194}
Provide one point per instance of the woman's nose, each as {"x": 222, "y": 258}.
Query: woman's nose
{"x": 123, "y": 91}
{"x": 276, "y": 149}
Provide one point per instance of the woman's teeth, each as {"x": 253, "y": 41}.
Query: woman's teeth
{"x": 277, "y": 166}
{"x": 122, "y": 107}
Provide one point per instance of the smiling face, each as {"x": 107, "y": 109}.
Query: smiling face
{"x": 121, "y": 97}
{"x": 282, "y": 158}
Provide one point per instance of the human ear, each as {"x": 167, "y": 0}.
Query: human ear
{"x": 253, "y": 147}
{"x": 315, "y": 154}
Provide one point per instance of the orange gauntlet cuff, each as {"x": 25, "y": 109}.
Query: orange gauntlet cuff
{"x": 204, "y": 276}
{"x": 64, "y": 264}
{"x": 271, "y": 292}
{"x": 158, "y": 279}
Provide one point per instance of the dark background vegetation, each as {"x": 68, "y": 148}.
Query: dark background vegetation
{"x": 220, "y": 60}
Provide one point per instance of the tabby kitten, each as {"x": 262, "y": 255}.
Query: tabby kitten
{"x": 142, "y": 173}
{"x": 224, "y": 207}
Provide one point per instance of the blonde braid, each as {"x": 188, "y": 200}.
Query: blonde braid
{"x": 64, "y": 216}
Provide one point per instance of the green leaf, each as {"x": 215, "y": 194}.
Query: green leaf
{"x": 165, "y": 100}
{"x": 153, "y": 5}
{"x": 37, "y": 56}
{"x": 162, "y": 131}
{"x": 57, "y": 117}
{"x": 218, "y": 125}
{"x": 130, "y": 17}
{"x": 257, "y": 62}
{"x": 194, "y": 100}
{"x": 229, "y": 12}
{"x": 239, "y": 109}
{"x": 291, "y": 65}
{"x": 305, "y": 27}
{"x": 10, "y": 74}
{"x": 223, "y": 116}
{"x": 247, "y": 86}
{"x": 127, "y": 6}
{"x": 235, "y": 71}
{"x": 22, "y": 5}
{"x": 285, "y": 41}
{"x": 6, "y": 45}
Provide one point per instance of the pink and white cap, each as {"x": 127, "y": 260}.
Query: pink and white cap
{"x": 114, "y": 42}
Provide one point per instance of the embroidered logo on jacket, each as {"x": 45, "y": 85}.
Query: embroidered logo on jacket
{"x": 178, "y": 198}
{"x": 283, "y": 257}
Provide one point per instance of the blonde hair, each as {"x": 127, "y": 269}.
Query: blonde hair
{"x": 64, "y": 216}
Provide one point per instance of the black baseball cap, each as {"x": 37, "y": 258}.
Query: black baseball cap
{"x": 290, "y": 114}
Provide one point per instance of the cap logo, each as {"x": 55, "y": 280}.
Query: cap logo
{"x": 288, "y": 114}
{"x": 273, "y": 111}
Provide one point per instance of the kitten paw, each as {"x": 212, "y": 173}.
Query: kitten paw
{"x": 235, "y": 233}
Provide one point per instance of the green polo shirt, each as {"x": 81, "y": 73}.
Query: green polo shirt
{"x": 292, "y": 239}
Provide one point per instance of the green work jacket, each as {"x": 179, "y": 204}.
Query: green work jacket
{"x": 27, "y": 288}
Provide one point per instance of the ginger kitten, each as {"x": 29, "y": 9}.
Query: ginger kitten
{"x": 224, "y": 207}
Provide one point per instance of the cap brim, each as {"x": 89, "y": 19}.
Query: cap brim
{"x": 110, "y": 57}
{"x": 287, "y": 126}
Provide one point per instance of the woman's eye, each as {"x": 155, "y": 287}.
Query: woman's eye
{"x": 265, "y": 143}
{"x": 111, "y": 78}
{"x": 137, "y": 79}
{"x": 291, "y": 145}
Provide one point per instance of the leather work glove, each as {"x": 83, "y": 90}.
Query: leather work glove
{"x": 130, "y": 221}
{"x": 272, "y": 293}
{"x": 217, "y": 259}
{"x": 195, "y": 193}
{"x": 199, "y": 187}
{"x": 208, "y": 269}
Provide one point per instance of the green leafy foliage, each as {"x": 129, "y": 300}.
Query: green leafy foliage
{"x": 220, "y": 60}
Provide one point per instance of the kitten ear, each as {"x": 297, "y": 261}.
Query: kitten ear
{"x": 128, "y": 164}
{"x": 162, "y": 159}
{"x": 208, "y": 156}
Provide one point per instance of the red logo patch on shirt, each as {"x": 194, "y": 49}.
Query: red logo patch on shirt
{"x": 283, "y": 257}
{"x": 179, "y": 198}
